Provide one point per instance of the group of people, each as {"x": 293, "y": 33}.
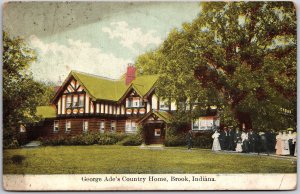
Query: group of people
{"x": 239, "y": 141}
{"x": 286, "y": 143}
{"x": 250, "y": 141}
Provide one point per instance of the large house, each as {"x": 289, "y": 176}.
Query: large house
{"x": 90, "y": 103}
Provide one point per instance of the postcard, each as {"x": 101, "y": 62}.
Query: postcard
{"x": 132, "y": 96}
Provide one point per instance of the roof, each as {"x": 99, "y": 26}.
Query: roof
{"x": 45, "y": 111}
{"x": 102, "y": 88}
{"x": 163, "y": 115}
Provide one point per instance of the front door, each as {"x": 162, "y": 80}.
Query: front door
{"x": 154, "y": 133}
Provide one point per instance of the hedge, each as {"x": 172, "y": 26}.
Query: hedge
{"x": 200, "y": 140}
{"x": 94, "y": 138}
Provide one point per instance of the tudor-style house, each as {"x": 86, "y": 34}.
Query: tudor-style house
{"x": 89, "y": 103}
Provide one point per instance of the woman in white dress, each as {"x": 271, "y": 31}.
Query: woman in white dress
{"x": 216, "y": 144}
{"x": 238, "y": 147}
{"x": 278, "y": 145}
{"x": 285, "y": 144}
{"x": 245, "y": 142}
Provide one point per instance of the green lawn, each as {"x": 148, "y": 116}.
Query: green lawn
{"x": 120, "y": 159}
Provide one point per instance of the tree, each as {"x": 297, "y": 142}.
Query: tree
{"x": 240, "y": 56}
{"x": 21, "y": 94}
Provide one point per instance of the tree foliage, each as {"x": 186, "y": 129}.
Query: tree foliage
{"x": 21, "y": 94}
{"x": 240, "y": 56}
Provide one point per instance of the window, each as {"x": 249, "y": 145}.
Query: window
{"x": 22, "y": 129}
{"x": 56, "y": 126}
{"x": 69, "y": 101}
{"x": 130, "y": 126}
{"x": 68, "y": 126}
{"x": 196, "y": 124}
{"x": 81, "y": 100}
{"x": 134, "y": 102}
{"x": 102, "y": 126}
{"x": 205, "y": 123}
{"x": 113, "y": 126}
{"x": 163, "y": 105}
{"x": 75, "y": 101}
{"x": 157, "y": 132}
{"x": 85, "y": 126}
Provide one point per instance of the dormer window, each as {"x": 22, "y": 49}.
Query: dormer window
{"x": 134, "y": 102}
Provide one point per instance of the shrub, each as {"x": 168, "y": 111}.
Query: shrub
{"x": 110, "y": 138}
{"x": 10, "y": 144}
{"x": 200, "y": 139}
{"x": 132, "y": 140}
{"x": 176, "y": 140}
{"x": 203, "y": 140}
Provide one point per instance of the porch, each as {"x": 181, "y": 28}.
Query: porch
{"x": 154, "y": 124}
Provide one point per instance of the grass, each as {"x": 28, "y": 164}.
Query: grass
{"x": 120, "y": 159}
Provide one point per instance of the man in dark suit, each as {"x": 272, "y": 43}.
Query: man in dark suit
{"x": 222, "y": 139}
{"x": 262, "y": 143}
{"x": 190, "y": 139}
{"x": 226, "y": 138}
{"x": 252, "y": 141}
{"x": 231, "y": 139}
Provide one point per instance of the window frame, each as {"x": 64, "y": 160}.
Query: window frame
{"x": 100, "y": 126}
{"x": 80, "y": 97}
{"x": 111, "y": 126}
{"x": 56, "y": 121}
{"x": 85, "y": 126}
{"x": 130, "y": 126}
{"x": 66, "y": 127}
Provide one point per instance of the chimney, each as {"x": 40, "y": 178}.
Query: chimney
{"x": 130, "y": 74}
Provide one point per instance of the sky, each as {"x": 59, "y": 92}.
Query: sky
{"x": 94, "y": 37}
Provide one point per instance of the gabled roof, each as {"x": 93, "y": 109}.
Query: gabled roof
{"x": 101, "y": 88}
{"x": 46, "y": 111}
{"x": 163, "y": 115}
{"x": 142, "y": 85}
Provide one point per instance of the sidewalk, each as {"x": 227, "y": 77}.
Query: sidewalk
{"x": 32, "y": 144}
{"x": 260, "y": 154}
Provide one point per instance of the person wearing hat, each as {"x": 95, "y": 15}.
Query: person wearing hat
{"x": 263, "y": 144}
{"x": 252, "y": 140}
{"x": 285, "y": 144}
{"x": 190, "y": 139}
{"x": 290, "y": 140}
{"x": 231, "y": 146}
{"x": 238, "y": 141}
{"x": 226, "y": 138}
{"x": 222, "y": 138}
{"x": 294, "y": 141}
{"x": 216, "y": 144}
{"x": 245, "y": 141}
{"x": 278, "y": 146}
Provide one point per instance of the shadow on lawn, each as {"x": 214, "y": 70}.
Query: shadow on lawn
{"x": 18, "y": 159}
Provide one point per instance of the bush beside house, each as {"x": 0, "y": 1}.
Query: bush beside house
{"x": 200, "y": 140}
{"x": 95, "y": 138}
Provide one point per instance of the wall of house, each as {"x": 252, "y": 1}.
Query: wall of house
{"x": 47, "y": 127}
